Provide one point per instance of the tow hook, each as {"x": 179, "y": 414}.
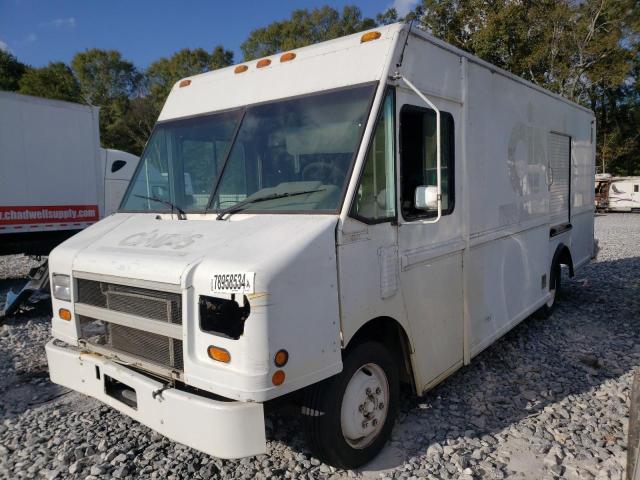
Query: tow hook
{"x": 158, "y": 392}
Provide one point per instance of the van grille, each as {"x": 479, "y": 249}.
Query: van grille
{"x": 151, "y": 347}
{"x": 152, "y": 304}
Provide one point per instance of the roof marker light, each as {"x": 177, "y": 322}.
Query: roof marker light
{"x": 184, "y": 83}
{"x": 367, "y": 37}
{"x": 287, "y": 57}
{"x": 240, "y": 69}
{"x": 265, "y": 62}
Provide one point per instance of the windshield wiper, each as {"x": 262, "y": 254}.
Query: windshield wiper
{"x": 244, "y": 203}
{"x": 181, "y": 214}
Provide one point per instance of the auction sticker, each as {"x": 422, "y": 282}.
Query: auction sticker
{"x": 240, "y": 282}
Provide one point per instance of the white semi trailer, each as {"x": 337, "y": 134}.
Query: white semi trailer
{"x": 55, "y": 179}
{"x": 332, "y": 221}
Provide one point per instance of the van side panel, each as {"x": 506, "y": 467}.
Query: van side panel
{"x": 500, "y": 235}
{"x": 511, "y": 142}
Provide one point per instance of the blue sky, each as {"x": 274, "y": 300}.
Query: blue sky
{"x": 38, "y": 32}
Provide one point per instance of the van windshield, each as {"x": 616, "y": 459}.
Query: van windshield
{"x": 292, "y": 146}
{"x": 181, "y": 162}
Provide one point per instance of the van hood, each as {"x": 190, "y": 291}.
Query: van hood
{"x": 140, "y": 246}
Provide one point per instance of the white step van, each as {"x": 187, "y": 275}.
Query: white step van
{"x": 331, "y": 221}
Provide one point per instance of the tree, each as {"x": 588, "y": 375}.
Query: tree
{"x": 606, "y": 46}
{"x": 56, "y": 81}
{"x": 304, "y": 28}
{"x": 108, "y": 81}
{"x": 138, "y": 123}
{"x": 11, "y": 70}
{"x": 390, "y": 15}
{"x": 524, "y": 38}
{"x": 104, "y": 75}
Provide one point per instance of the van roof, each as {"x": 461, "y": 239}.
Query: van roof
{"x": 331, "y": 64}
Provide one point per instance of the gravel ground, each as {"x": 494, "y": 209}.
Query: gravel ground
{"x": 548, "y": 400}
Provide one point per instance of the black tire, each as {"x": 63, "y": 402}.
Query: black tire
{"x": 633, "y": 444}
{"x": 322, "y": 409}
{"x": 555, "y": 277}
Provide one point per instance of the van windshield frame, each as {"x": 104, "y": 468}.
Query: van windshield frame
{"x": 325, "y": 199}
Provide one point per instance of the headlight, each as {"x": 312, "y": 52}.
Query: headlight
{"x": 61, "y": 287}
{"x": 222, "y": 317}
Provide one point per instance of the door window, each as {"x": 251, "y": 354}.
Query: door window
{"x": 376, "y": 196}
{"x": 418, "y": 159}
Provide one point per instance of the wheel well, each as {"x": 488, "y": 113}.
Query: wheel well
{"x": 391, "y": 334}
{"x": 562, "y": 256}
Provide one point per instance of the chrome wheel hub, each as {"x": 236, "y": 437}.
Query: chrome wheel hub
{"x": 552, "y": 298}
{"x": 364, "y": 406}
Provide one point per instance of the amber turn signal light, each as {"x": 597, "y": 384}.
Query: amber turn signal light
{"x": 278, "y": 378}
{"x": 240, "y": 69}
{"x": 287, "y": 57}
{"x": 281, "y": 358}
{"x": 184, "y": 83}
{"x": 265, "y": 62}
{"x": 219, "y": 354}
{"x": 367, "y": 37}
{"x": 64, "y": 314}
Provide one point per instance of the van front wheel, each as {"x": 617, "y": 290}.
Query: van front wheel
{"x": 349, "y": 417}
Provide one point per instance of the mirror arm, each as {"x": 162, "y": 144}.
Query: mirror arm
{"x": 438, "y": 153}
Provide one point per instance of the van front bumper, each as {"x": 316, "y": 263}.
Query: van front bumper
{"x": 225, "y": 429}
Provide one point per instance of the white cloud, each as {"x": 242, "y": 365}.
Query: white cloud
{"x": 4, "y": 47}
{"x": 32, "y": 37}
{"x": 69, "y": 22}
{"x": 403, "y": 6}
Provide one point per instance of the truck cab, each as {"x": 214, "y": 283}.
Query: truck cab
{"x": 299, "y": 223}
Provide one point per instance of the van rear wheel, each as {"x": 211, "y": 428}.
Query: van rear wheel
{"x": 349, "y": 417}
{"x": 547, "y": 309}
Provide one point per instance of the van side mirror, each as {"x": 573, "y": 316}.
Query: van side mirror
{"x": 426, "y": 197}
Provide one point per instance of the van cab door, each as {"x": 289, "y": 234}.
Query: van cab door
{"x": 430, "y": 254}
{"x": 367, "y": 239}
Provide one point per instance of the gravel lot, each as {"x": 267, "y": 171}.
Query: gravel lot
{"x": 548, "y": 400}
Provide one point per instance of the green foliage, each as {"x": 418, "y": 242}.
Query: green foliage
{"x": 55, "y": 81}
{"x": 136, "y": 126}
{"x": 110, "y": 82}
{"x": 387, "y": 17}
{"x": 11, "y": 70}
{"x": 104, "y": 76}
{"x": 304, "y": 28}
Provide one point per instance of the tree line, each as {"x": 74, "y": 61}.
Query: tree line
{"x": 587, "y": 51}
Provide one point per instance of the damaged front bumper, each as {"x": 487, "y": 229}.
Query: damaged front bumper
{"x": 225, "y": 429}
